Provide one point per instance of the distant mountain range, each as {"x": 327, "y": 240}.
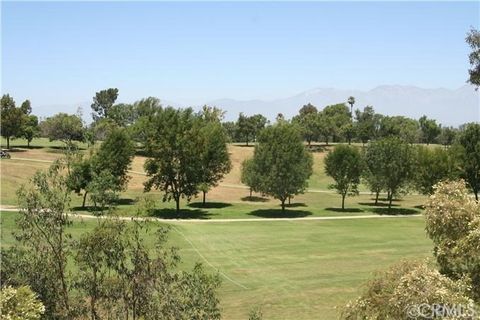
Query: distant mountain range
{"x": 447, "y": 106}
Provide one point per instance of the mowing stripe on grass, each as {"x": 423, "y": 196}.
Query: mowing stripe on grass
{"x": 208, "y": 262}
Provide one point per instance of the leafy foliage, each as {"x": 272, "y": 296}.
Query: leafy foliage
{"x": 453, "y": 224}
{"x": 468, "y": 150}
{"x": 345, "y": 165}
{"x": 103, "y": 102}
{"x": 63, "y": 127}
{"x": 281, "y": 162}
{"x": 12, "y": 119}
{"x": 392, "y": 292}
{"x": 213, "y": 155}
{"x": 430, "y": 129}
{"x": 174, "y": 144}
{"x": 20, "y": 304}
{"x": 390, "y": 166}
{"x": 119, "y": 276}
{"x": 473, "y": 40}
{"x": 433, "y": 165}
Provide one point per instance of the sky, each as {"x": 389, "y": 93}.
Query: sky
{"x": 58, "y": 53}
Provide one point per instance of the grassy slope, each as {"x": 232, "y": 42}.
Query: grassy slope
{"x": 293, "y": 270}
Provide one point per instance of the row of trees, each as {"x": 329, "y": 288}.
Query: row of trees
{"x": 393, "y": 166}
{"x": 337, "y": 123}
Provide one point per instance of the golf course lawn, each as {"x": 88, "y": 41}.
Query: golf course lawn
{"x": 290, "y": 269}
{"x": 295, "y": 269}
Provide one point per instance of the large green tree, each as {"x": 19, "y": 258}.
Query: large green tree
{"x": 393, "y": 166}
{"x": 307, "y": 120}
{"x": 174, "y": 145}
{"x": 344, "y": 164}
{"x": 473, "y": 40}
{"x": 281, "y": 162}
{"x": 367, "y": 124}
{"x": 12, "y": 119}
{"x": 213, "y": 155}
{"x": 104, "y": 173}
{"x": 30, "y": 128}
{"x": 103, "y": 102}
{"x": 332, "y": 120}
{"x": 401, "y": 127}
{"x": 429, "y": 129}
{"x": 248, "y": 127}
{"x": 248, "y": 175}
{"x": 433, "y": 165}
{"x": 63, "y": 127}
{"x": 469, "y": 154}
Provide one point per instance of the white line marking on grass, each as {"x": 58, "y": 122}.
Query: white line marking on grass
{"x": 208, "y": 262}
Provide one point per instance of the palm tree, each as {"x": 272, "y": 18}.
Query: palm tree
{"x": 351, "y": 102}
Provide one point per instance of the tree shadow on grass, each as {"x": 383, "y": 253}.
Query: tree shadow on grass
{"x": 386, "y": 200}
{"x": 344, "y": 210}
{"x": 183, "y": 214}
{"x": 395, "y": 211}
{"x": 15, "y": 149}
{"x": 254, "y": 199}
{"x": 295, "y": 205}
{"x": 379, "y": 204}
{"x": 209, "y": 205}
{"x": 96, "y": 211}
{"x": 278, "y": 213}
{"x": 420, "y": 207}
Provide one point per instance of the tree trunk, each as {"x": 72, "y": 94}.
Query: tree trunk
{"x": 343, "y": 201}
{"x": 177, "y": 206}
{"x": 376, "y": 197}
{"x": 204, "y": 193}
{"x": 28, "y": 144}
{"x": 390, "y": 196}
{"x": 283, "y": 205}
{"x": 84, "y": 199}
{"x": 476, "y": 195}
{"x": 8, "y": 142}
{"x": 250, "y": 192}
{"x": 289, "y": 198}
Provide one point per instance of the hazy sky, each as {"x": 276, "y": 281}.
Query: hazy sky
{"x": 61, "y": 53}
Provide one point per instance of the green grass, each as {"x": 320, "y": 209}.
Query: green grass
{"x": 36, "y": 143}
{"x": 291, "y": 269}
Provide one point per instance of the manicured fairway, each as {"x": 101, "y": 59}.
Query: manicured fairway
{"x": 291, "y": 269}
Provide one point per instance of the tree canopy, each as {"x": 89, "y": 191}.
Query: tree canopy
{"x": 281, "y": 162}
{"x": 345, "y": 165}
{"x": 63, "y": 127}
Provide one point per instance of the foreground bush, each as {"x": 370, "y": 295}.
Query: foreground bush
{"x": 396, "y": 291}
{"x": 20, "y": 304}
